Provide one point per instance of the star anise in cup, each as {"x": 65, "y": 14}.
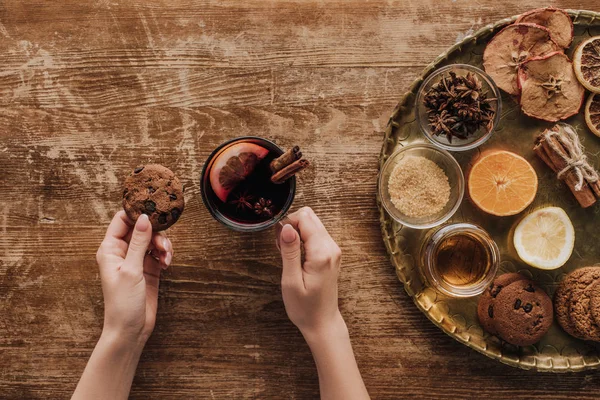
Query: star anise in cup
{"x": 264, "y": 207}
{"x": 243, "y": 200}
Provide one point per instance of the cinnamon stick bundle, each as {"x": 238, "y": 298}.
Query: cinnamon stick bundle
{"x": 560, "y": 149}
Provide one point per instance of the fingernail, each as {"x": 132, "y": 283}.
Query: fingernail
{"x": 142, "y": 223}
{"x": 288, "y": 234}
{"x": 168, "y": 258}
{"x": 166, "y": 244}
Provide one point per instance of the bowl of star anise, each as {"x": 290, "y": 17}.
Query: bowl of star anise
{"x": 458, "y": 107}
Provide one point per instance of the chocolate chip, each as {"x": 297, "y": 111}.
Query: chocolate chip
{"x": 517, "y": 304}
{"x": 491, "y": 311}
{"x": 162, "y": 218}
{"x": 138, "y": 170}
{"x": 528, "y": 307}
{"x": 530, "y": 288}
{"x": 150, "y": 206}
{"x": 175, "y": 213}
{"x": 151, "y": 189}
{"x": 496, "y": 291}
{"x": 173, "y": 197}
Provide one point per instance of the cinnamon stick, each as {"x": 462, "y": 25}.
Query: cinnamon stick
{"x": 585, "y": 196}
{"x": 286, "y": 159}
{"x": 287, "y": 172}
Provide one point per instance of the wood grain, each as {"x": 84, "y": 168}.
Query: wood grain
{"x": 89, "y": 89}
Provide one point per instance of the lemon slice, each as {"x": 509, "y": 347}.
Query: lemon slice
{"x": 545, "y": 238}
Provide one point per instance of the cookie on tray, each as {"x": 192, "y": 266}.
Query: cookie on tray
{"x": 579, "y": 306}
{"x": 562, "y": 301}
{"x": 522, "y": 313}
{"x": 485, "y": 307}
{"x": 153, "y": 190}
{"x": 595, "y": 302}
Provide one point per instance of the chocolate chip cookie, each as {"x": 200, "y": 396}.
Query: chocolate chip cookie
{"x": 522, "y": 313}
{"x": 485, "y": 307}
{"x": 579, "y": 306}
{"x": 153, "y": 190}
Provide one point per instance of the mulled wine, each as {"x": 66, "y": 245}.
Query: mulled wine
{"x": 243, "y": 185}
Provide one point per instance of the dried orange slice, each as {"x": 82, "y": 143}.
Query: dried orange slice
{"x": 502, "y": 183}
{"x": 592, "y": 113}
{"x": 556, "y": 20}
{"x": 511, "y": 47}
{"x": 586, "y": 63}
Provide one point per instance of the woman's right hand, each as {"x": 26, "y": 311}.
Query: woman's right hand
{"x": 309, "y": 289}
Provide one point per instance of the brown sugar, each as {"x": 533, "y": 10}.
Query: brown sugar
{"x": 418, "y": 187}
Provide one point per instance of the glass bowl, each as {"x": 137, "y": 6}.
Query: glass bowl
{"x": 481, "y": 135}
{"x": 435, "y": 278}
{"x": 446, "y": 162}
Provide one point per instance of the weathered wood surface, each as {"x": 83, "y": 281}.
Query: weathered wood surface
{"x": 90, "y": 89}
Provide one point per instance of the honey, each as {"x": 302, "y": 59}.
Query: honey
{"x": 462, "y": 260}
{"x": 459, "y": 260}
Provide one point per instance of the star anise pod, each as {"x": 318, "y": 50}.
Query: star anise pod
{"x": 243, "y": 200}
{"x": 264, "y": 207}
{"x": 458, "y": 106}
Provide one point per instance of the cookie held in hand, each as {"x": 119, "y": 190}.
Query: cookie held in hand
{"x": 155, "y": 191}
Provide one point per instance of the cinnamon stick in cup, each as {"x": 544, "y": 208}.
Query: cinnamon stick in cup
{"x": 289, "y": 171}
{"x": 286, "y": 159}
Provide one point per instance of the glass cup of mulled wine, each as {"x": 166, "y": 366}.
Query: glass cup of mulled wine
{"x": 241, "y": 186}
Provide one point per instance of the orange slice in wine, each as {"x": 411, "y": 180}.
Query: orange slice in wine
{"x": 502, "y": 183}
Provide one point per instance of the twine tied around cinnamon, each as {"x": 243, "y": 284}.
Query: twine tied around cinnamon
{"x": 573, "y": 155}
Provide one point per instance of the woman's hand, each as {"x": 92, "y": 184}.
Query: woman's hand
{"x": 310, "y": 291}
{"x": 310, "y": 296}
{"x": 130, "y": 260}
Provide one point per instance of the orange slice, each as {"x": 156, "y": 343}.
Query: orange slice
{"x": 592, "y": 113}
{"x": 502, "y": 183}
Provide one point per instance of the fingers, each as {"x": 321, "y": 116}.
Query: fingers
{"x": 291, "y": 256}
{"x": 309, "y": 225}
{"x": 322, "y": 253}
{"x": 152, "y": 269}
{"x": 119, "y": 227}
{"x": 138, "y": 245}
{"x": 162, "y": 248}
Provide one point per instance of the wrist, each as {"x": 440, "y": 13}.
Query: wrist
{"x": 332, "y": 331}
{"x": 121, "y": 342}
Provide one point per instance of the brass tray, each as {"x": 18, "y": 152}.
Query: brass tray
{"x": 557, "y": 351}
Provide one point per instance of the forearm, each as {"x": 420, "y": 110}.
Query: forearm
{"x": 339, "y": 377}
{"x": 110, "y": 370}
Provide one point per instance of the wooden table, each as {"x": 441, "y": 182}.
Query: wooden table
{"x": 88, "y": 90}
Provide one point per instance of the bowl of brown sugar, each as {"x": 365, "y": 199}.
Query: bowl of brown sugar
{"x": 421, "y": 186}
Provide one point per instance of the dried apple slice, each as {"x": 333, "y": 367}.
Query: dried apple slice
{"x": 233, "y": 165}
{"x": 549, "y": 89}
{"x": 556, "y": 20}
{"x": 510, "y": 48}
